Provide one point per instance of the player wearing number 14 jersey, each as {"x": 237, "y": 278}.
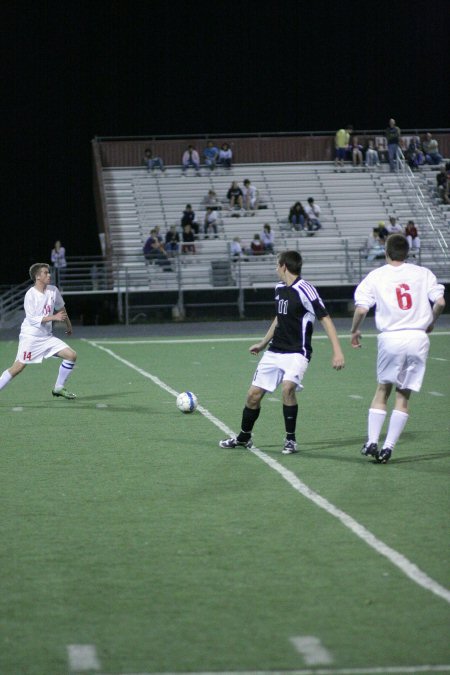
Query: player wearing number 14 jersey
{"x": 408, "y": 300}
{"x": 43, "y": 305}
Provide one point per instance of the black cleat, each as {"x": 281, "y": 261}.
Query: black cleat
{"x": 230, "y": 443}
{"x": 370, "y": 450}
{"x": 384, "y": 456}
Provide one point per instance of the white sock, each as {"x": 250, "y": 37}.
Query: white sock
{"x": 5, "y": 378}
{"x": 375, "y": 423}
{"x": 396, "y": 425}
{"x": 65, "y": 369}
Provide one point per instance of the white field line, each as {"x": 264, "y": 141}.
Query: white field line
{"x": 171, "y": 341}
{"x": 387, "y": 670}
{"x": 83, "y": 658}
{"x": 399, "y": 560}
{"x": 312, "y": 650}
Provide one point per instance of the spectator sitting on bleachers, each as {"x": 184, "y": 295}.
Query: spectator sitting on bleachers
{"x": 431, "y": 149}
{"x": 236, "y": 250}
{"x": 442, "y": 180}
{"x": 375, "y": 246}
{"x": 394, "y": 227}
{"x": 190, "y": 158}
{"x": 413, "y": 238}
{"x": 154, "y": 250}
{"x": 414, "y": 154}
{"x": 372, "y": 158}
{"x": 188, "y": 218}
{"x": 210, "y": 223}
{"x": 188, "y": 238}
{"x": 153, "y": 162}
{"x": 250, "y": 196}
{"x": 256, "y": 246}
{"x": 172, "y": 241}
{"x": 313, "y": 213}
{"x": 356, "y": 148}
{"x": 235, "y": 196}
{"x": 383, "y": 232}
{"x": 225, "y": 156}
{"x": 267, "y": 238}
{"x": 212, "y": 200}
{"x": 297, "y": 216}
{"x": 211, "y": 155}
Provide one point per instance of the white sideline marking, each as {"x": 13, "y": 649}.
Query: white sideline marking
{"x": 436, "y": 393}
{"x": 312, "y": 650}
{"x": 357, "y": 396}
{"x": 388, "y": 670}
{"x": 18, "y": 408}
{"x": 83, "y": 657}
{"x": 171, "y": 341}
{"x": 437, "y": 358}
{"x": 399, "y": 560}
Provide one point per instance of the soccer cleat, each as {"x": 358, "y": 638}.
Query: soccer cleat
{"x": 289, "y": 447}
{"x": 231, "y": 443}
{"x": 64, "y": 393}
{"x": 384, "y": 456}
{"x": 370, "y": 450}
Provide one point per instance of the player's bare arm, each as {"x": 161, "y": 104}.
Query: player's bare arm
{"x": 358, "y": 318}
{"x": 259, "y": 346}
{"x": 438, "y": 308}
{"x": 338, "y": 361}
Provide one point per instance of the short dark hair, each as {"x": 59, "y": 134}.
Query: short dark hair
{"x": 397, "y": 247}
{"x": 35, "y": 269}
{"x": 292, "y": 260}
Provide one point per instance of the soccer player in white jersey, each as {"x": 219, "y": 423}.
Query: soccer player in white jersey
{"x": 43, "y": 304}
{"x": 408, "y": 300}
{"x": 285, "y": 362}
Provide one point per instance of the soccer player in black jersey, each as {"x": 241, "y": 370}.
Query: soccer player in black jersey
{"x": 286, "y": 360}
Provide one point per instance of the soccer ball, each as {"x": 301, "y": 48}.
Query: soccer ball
{"x": 187, "y": 402}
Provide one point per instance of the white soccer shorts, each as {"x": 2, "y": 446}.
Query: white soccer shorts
{"x": 275, "y": 368}
{"x": 402, "y": 357}
{"x": 34, "y": 349}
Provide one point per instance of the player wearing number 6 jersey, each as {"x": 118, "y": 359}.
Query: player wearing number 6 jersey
{"x": 408, "y": 300}
{"x": 285, "y": 362}
{"x": 43, "y": 304}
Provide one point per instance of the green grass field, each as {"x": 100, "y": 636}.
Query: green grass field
{"x": 125, "y": 527}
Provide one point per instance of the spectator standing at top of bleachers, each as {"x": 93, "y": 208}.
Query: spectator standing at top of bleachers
{"x": 188, "y": 218}
{"x": 412, "y": 237}
{"x": 225, "y": 156}
{"x": 341, "y": 144}
{"x": 393, "y": 136}
{"x": 297, "y": 216}
{"x": 212, "y": 200}
{"x": 172, "y": 243}
{"x": 59, "y": 262}
{"x": 313, "y": 213}
{"x": 250, "y": 196}
{"x": 153, "y": 162}
{"x": 394, "y": 227}
{"x": 235, "y": 196}
{"x": 210, "y": 223}
{"x": 267, "y": 239}
{"x": 211, "y": 155}
{"x": 190, "y": 159}
{"x": 372, "y": 157}
{"x": 431, "y": 149}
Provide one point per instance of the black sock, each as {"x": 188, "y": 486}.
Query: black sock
{"x": 249, "y": 417}
{"x": 290, "y": 420}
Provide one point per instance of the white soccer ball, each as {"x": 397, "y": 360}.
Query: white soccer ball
{"x": 187, "y": 402}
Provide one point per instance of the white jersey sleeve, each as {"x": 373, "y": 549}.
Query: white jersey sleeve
{"x": 38, "y": 305}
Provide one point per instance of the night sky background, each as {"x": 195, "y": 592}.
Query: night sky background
{"x": 75, "y": 70}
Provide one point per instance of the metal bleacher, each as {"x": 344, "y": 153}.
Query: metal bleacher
{"x": 351, "y": 201}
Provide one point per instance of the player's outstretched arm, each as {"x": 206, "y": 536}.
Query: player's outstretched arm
{"x": 358, "y": 318}
{"x": 259, "y": 346}
{"x": 338, "y": 361}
